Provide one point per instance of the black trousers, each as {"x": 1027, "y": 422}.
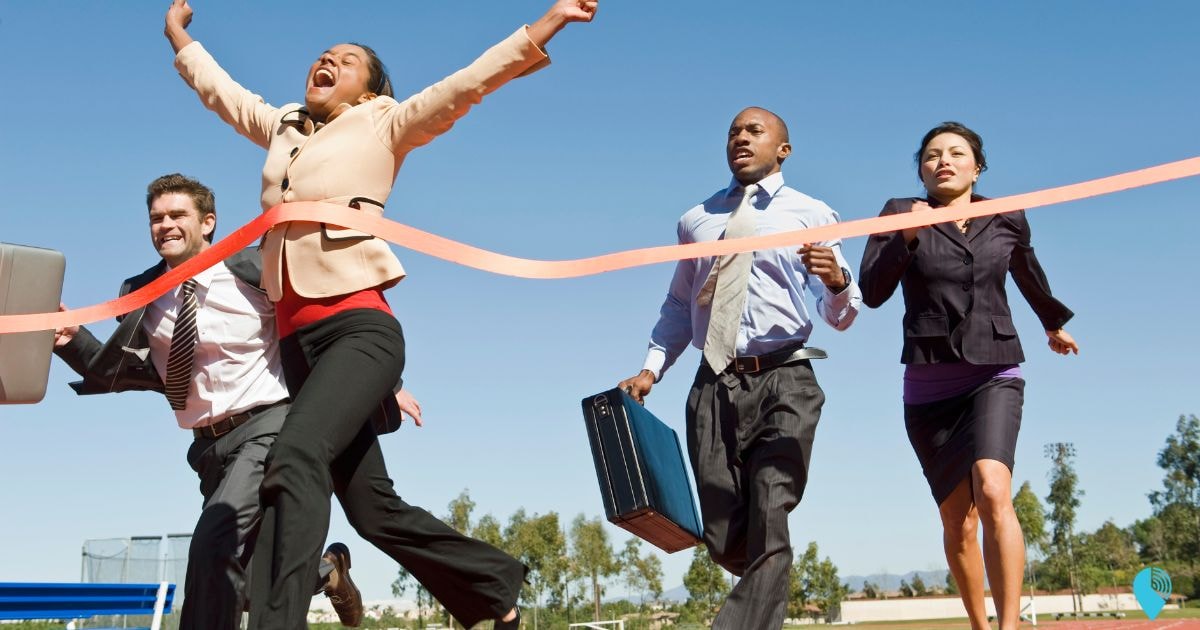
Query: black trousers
{"x": 338, "y": 369}
{"x": 750, "y": 440}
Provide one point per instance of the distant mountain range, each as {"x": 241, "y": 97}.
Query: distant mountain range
{"x": 891, "y": 582}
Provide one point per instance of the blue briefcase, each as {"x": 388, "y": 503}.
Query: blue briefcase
{"x": 643, "y": 480}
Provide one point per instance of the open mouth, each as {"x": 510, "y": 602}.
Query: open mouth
{"x": 323, "y": 78}
{"x": 169, "y": 239}
{"x": 742, "y": 155}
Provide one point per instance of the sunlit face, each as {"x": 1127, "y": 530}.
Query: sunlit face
{"x": 948, "y": 167}
{"x": 756, "y": 146}
{"x": 338, "y": 80}
{"x": 176, "y": 229}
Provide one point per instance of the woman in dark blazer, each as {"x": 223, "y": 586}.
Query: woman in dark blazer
{"x": 963, "y": 388}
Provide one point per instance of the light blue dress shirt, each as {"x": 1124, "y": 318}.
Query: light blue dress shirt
{"x": 775, "y": 315}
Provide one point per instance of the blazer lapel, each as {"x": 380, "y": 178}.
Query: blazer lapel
{"x": 951, "y": 232}
{"x": 978, "y": 226}
{"x": 948, "y": 229}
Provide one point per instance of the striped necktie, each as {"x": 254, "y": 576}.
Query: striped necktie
{"x": 183, "y": 348}
{"x": 729, "y": 289}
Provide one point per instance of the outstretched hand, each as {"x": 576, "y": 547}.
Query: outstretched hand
{"x": 179, "y": 16}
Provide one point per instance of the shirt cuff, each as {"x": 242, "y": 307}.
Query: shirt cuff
{"x": 655, "y": 360}
{"x": 837, "y": 302}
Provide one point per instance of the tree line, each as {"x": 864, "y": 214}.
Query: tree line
{"x": 571, "y": 566}
{"x": 1062, "y": 558}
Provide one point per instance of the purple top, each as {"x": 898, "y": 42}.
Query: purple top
{"x": 938, "y": 381}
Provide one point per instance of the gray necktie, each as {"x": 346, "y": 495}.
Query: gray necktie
{"x": 728, "y": 280}
{"x": 183, "y": 348}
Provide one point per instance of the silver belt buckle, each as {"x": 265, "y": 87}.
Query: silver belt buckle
{"x": 743, "y": 365}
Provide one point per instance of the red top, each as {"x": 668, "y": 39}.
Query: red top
{"x": 293, "y": 311}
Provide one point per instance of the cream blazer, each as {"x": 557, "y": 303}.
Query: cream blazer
{"x": 352, "y": 160}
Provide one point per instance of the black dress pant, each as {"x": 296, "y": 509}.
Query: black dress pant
{"x": 338, "y": 370}
{"x": 750, "y": 440}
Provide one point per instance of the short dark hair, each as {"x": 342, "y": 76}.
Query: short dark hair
{"x": 378, "y": 82}
{"x": 958, "y": 129}
{"x": 201, "y": 195}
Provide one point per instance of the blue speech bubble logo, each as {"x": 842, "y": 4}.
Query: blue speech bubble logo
{"x": 1152, "y": 588}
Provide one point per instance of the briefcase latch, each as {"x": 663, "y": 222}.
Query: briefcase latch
{"x": 601, "y": 405}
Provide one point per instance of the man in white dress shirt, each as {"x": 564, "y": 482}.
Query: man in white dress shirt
{"x": 754, "y": 404}
{"x": 235, "y": 402}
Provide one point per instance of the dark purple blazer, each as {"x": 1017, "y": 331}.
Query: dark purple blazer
{"x": 956, "y": 308}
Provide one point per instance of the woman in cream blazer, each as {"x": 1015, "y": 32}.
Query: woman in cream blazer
{"x": 342, "y": 349}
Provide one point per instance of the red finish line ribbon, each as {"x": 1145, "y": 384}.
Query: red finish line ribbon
{"x": 485, "y": 260}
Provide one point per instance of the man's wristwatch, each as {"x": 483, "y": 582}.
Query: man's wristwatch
{"x": 846, "y": 278}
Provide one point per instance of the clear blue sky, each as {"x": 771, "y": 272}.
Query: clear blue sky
{"x": 601, "y": 152}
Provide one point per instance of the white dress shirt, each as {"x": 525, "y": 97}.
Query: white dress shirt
{"x": 775, "y": 315}
{"x": 237, "y": 358}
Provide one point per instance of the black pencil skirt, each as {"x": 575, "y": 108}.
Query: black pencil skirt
{"x": 950, "y": 435}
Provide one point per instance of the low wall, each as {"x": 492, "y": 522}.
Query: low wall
{"x": 911, "y": 608}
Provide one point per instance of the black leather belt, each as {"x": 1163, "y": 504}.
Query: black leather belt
{"x": 750, "y": 365}
{"x": 221, "y": 427}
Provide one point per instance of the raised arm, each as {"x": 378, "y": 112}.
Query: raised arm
{"x": 179, "y": 15}
{"x": 422, "y": 117}
{"x": 243, "y": 110}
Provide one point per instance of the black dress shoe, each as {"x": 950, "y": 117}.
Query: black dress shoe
{"x": 515, "y": 624}
{"x": 346, "y": 599}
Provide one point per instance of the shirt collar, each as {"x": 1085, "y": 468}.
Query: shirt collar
{"x": 204, "y": 278}
{"x": 769, "y": 184}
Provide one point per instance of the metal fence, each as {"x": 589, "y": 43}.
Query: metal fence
{"x": 138, "y": 559}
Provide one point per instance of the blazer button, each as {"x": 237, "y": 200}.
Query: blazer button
{"x": 294, "y": 151}
{"x": 284, "y": 183}
{"x": 967, "y": 260}
{"x": 966, "y": 286}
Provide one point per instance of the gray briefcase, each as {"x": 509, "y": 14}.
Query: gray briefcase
{"x": 31, "y": 281}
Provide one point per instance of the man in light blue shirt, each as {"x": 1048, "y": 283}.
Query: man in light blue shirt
{"x": 754, "y": 404}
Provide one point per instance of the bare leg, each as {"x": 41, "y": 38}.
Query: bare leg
{"x": 960, "y": 536}
{"x": 1003, "y": 544}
